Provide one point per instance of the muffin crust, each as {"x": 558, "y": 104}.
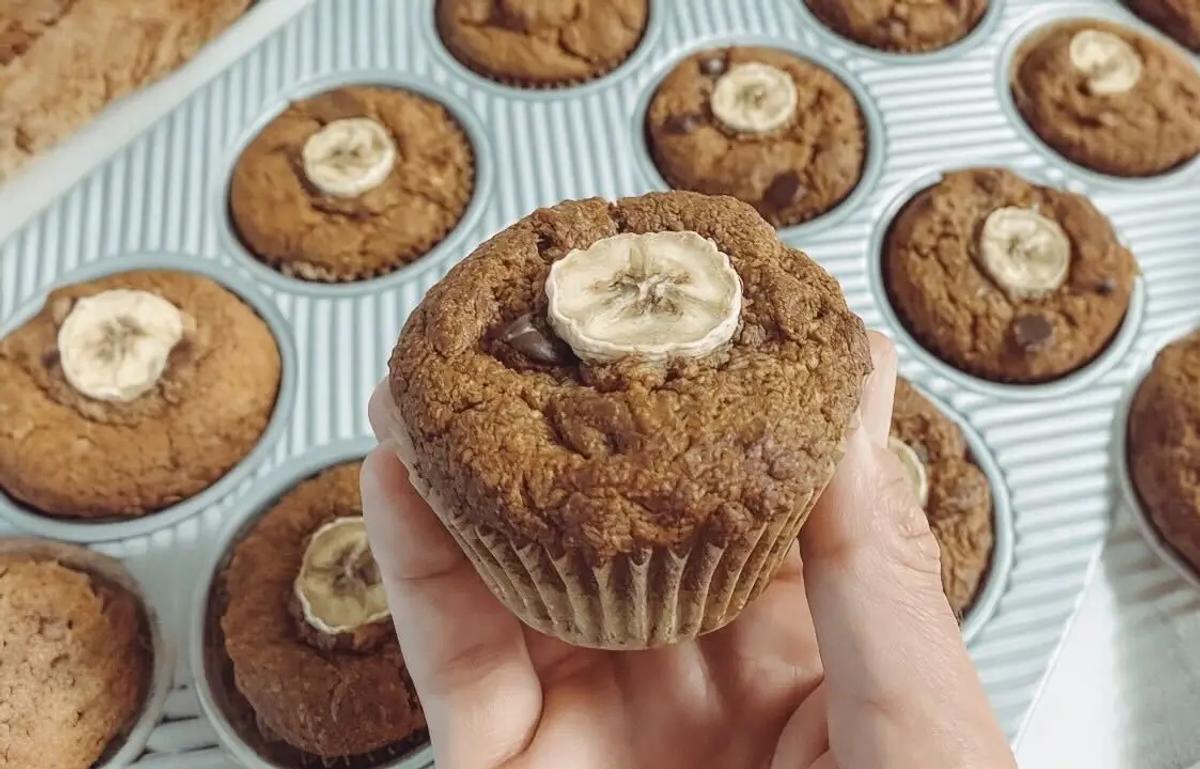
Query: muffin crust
{"x": 901, "y": 25}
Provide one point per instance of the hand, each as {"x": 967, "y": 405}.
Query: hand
{"x": 851, "y": 658}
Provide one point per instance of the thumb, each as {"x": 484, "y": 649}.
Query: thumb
{"x": 901, "y": 689}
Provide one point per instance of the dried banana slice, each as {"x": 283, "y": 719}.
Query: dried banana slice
{"x": 349, "y": 157}
{"x": 914, "y": 469}
{"x": 754, "y": 98}
{"x": 113, "y": 346}
{"x": 339, "y": 586}
{"x": 1025, "y": 253}
{"x": 1112, "y": 65}
{"x": 654, "y": 296}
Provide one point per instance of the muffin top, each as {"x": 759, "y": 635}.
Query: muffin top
{"x": 74, "y": 663}
{"x": 1005, "y": 279}
{"x": 957, "y": 498}
{"x": 901, "y": 25}
{"x": 1109, "y": 98}
{"x": 120, "y": 382}
{"x": 352, "y": 183}
{"x": 306, "y": 629}
{"x": 541, "y": 44}
{"x": 612, "y": 453}
{"x": 762, "y": 125}
{"x": 1178, "y": 18}
{"x": 1164, "y": 445}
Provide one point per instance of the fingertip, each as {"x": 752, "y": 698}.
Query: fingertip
{"x": 379, "y": 409}
{"x": 880, "y": 388}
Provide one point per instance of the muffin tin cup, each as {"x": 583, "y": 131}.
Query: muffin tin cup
{"x": 445, "y": 252}
{"x": 1129, "y": 497}
{"x": 1032, "y": 26}
{"x": 1117, "y": 348}
{"x": 124, "y": 752}
{"x": 82, "y": 530}
{"x": 249, "y": 510}
{"x": 876, "y": 137}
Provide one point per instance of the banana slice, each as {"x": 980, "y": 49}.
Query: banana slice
{"x": 349, "y": 157}
{"x": 754, "y": 98}
{"x": 654, "y": 295}
{"x": 1025, "y": 253}
{"x": 338, "y": 586}
{"x": 113, "y": 346}
{"x": 914, "y": 469}
{"x": 1112, "y": 65}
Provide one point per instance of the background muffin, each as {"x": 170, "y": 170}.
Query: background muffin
{"x": 901, "y": 25}
{"x": 352, "y": 184}
{"x": 1164, "y": 446}
{"x": 1178, "y": 18}
{"x": 618, "y": 482}
{"x": 1004, "y": 279}
{"x": 539, "y": 44}
{"x": 1109, "y": 98}
{"x": 765, "y": 126}
{"x": 953, "y": 491}
{"x": 132, "y": 392}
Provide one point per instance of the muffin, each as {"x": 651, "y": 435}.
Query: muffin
{"x": 352, "y": 184}
{"x": 763, "y": 125}
{"x": 1178, "y": 18}
{"x": 540, "y": 44}
{"x": 901, "y": 25}
{"x": 55, "y": 77}
{"x": 304, "y": 626}
{"x": 132, "y": 392}
{"x": 1109, "y": 98}
{"x": 1004, "y": 279}
{"x": 75, "y": 659}
{"x": 951, "y": 489}
{"x": 624, "y": 412}
{"x": 1164, "y": 446}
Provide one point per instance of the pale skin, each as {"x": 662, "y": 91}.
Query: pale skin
{"x": 851, "y": 658}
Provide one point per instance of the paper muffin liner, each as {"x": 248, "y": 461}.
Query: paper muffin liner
{"x": 654, "y": 596}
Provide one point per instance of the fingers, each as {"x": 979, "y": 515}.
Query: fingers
{"x": 465, "y": 652}
{"x": 895, "y": 665}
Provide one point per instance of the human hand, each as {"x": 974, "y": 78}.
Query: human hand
{"x": 850, "y": 659}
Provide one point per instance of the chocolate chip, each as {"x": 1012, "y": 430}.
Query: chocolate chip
{"x": 681, "y": 124}
{"x": 1032, "y": 332}
{"x": 785, "y": 190}
{"x": 1106, "y": 286}
{"x": 50, "y": 358}
{"x": 524, "y": 336}
{"x": 713, "y": 66}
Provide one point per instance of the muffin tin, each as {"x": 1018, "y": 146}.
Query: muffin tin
{"x": 1047, "y": 448}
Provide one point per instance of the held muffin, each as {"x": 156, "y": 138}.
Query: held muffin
{"x": 1004, "y": 279}
{"x": 541, "y": 44}
{"x": 75, "y": 660}
{"x": 951, "y": 489}
{"x": 1164, "y": 446}
{"x": 352, "y": 184}
{"x": 1178, "y": 18}
{"x": 1109, "y": 98}
{"x": 624, "y": 412}
{"x": 304, "y": 625}
{"x": 763, "y": 125}
{"x": 132, "y": 392}
{"x": 901, "y": 25}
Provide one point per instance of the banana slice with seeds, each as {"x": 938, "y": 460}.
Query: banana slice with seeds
{"x": 1025, "y": 253}
{"x": 754, "y": 98}
{"x": 339, "y": 586}
{"x": 1112, "y": 65}
{"x": 914, "y": 469}
{"x": 349, "y": 157}
{"x": 113, "y": 346}
{"x": 655, "y": 295}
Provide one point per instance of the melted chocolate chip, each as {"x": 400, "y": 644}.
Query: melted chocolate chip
{"x": 785, "y": 190}
{"x": 50, "y": 358}
{"x": 681, "y": 124}
{"x": 1106, "y": 287}
{"x": 524, "y": 336}
{"x": 713, "y": 66}
{"x": 1032, "y": 332}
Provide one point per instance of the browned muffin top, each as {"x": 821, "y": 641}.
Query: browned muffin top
{"x": 611, "y": 457}
{"x": 1178, "y": 18}
{"x": 901, "y": 25}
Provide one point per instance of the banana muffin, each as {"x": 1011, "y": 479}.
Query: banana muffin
{"x": 1164, "y": 446}
{"x": 1005, "y": 279}
{"x": 951, "y": 489}
{"x": 760, "y": 124}
{"x": 541, "y": 44}
{"x": 1109, "y": 98}
{"x": 1178, "y": 18}
{"x": 901, "y": 25}
{"x": 624, "y": 412}
{"x": 304, "y": 625}
{"x": 352, "y": 184}
{"x": 75, "y": 659}
{"x": 130, "y": 393}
